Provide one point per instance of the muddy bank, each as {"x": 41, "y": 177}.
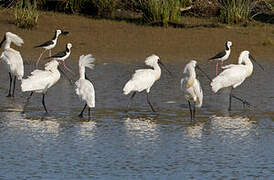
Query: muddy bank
{"x": 120, "y": 41}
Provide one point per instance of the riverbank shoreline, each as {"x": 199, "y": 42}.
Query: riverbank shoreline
{"x": 120, "y": 41}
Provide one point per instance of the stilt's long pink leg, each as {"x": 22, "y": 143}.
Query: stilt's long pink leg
{"x": 217, "y": 68}
{"x": 40, "y": 57}
{"x": 64, "y": 64}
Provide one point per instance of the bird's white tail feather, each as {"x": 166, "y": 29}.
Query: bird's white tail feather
{"x": 128, "y": 87}
{"x": 18, "y": 41}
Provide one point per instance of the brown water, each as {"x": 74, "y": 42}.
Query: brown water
{"x": 138, "y": 144}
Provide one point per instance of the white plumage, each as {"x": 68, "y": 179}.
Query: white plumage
{"x": 11, "y": 58}
{"x": 233, "y": 74}
{"x": 84, "y": 88}
{"x": 143, "y": 79}
{"x": 40, "y": 80}
{"x": 191, "y": 87}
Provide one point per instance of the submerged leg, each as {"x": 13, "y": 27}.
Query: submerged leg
{"x": 190, "y": 110}
{"x": 9, "y": 95}
{"x": 194, "y": 111}
{"x": 150, "y": 104}
{"x": 28, "y": 98}
{"x": 81, "y": 114}
{"x": 130, "y": 100}
{"x": 14, "y": 82}
{"x": 89, "y": 112}
{"x": 43, "y": 102}
{"x": 50, "y": 52}
{"x": 230, "y": 98}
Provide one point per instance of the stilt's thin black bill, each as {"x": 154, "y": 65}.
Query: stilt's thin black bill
{"x": 253, "y": 59}
{"x": 64, "y": 32}
{"x": 164, "y": 67}
{"x": 198, "y": 67}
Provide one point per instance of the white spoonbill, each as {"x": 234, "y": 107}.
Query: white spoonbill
{"x": 12, "y": 59}
{"x": 234, "y": 74}
{"x": 222, "y": 56}
{"x": 84, "y": 88}
{"x": 48, "y": 45}
{"x": 143, "y": 79}
{"x": 41, "y": 80}
{"x": 191, "y": 87}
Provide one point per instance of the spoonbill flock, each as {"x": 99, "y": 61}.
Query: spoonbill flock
{"x": 39, "y": 81}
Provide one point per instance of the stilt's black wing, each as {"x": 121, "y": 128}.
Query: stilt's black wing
{"x": 58, "y": 55}
{"x": 217, "y": 56}
{"x": 45, "y": 44}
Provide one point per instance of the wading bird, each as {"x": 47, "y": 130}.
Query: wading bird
{"x": 234, "y": 74}
{"x": 50, "y": 44}
{"x": 143, "y": 79}
{"x": 222, "y": 56}
{"x": 191, "y": 87}
{"x": 41, "y": 80}
{"x": 62, "y": 55}
{"x": 12, "y": 59}
{"x": 84, "y": 88}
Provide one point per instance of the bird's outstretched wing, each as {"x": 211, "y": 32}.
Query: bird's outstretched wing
{"x": 44, "y": 44}
{"x": 217, "y": 56}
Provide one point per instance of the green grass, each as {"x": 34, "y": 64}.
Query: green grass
{"x": 235, "y": 11}
{"x": 26, "y": 17}
{"x": 160, "y": 11}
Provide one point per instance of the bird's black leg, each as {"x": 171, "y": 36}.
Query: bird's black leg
{"x": 14, "y": 82}
{"x": 89, "y": 112}
{"x": 9, "y": 95}
{"x": 130, "y": 100}
{"x": 194, "y": 111}
{"x": 230, "y": 98}
{"x": 81, "y": 114}
{"x": 190, "y": 110}
{"x": 28, "y": 98}
{"x": 43, "y": 102}
{"x": 150, "y": 104}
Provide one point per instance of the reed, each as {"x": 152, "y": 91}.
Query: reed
{"x": 235, "y": 11}
{"x": 25, "y": 17}
{"x": 160, "y": 11}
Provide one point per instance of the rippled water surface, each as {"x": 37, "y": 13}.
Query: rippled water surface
{"x": 138, "y": 144}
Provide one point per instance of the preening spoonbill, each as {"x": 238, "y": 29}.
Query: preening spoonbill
{"x": 234, "y": 74}
{"x": 41, "y": 80}
{"x": 84, "y": 88}
{"x": 48, "y": 45}
{"x": 143, "y": 79}
{"x": 222, "y": 56}
{"x": 12, "y": 59}
{"x": 191, "y": 87}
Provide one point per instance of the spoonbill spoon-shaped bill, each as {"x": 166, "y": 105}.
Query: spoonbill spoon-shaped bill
{"x": 62, "y": 56}
{"x": 84, "y": 88}
{"x": 234, "y": 74}
{"x": 192, "y": 89}
{"x": 48, "y": 45}
{"x": 12, "y": 59}
{"x": 222, "y": 56}
{"x": 143, "y": 79}
{"x": 41, "y": 80}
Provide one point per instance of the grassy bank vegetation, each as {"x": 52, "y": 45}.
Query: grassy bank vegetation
{"x": 152, "y": 12}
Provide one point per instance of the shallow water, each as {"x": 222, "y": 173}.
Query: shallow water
{"x": 138, "y": 144}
